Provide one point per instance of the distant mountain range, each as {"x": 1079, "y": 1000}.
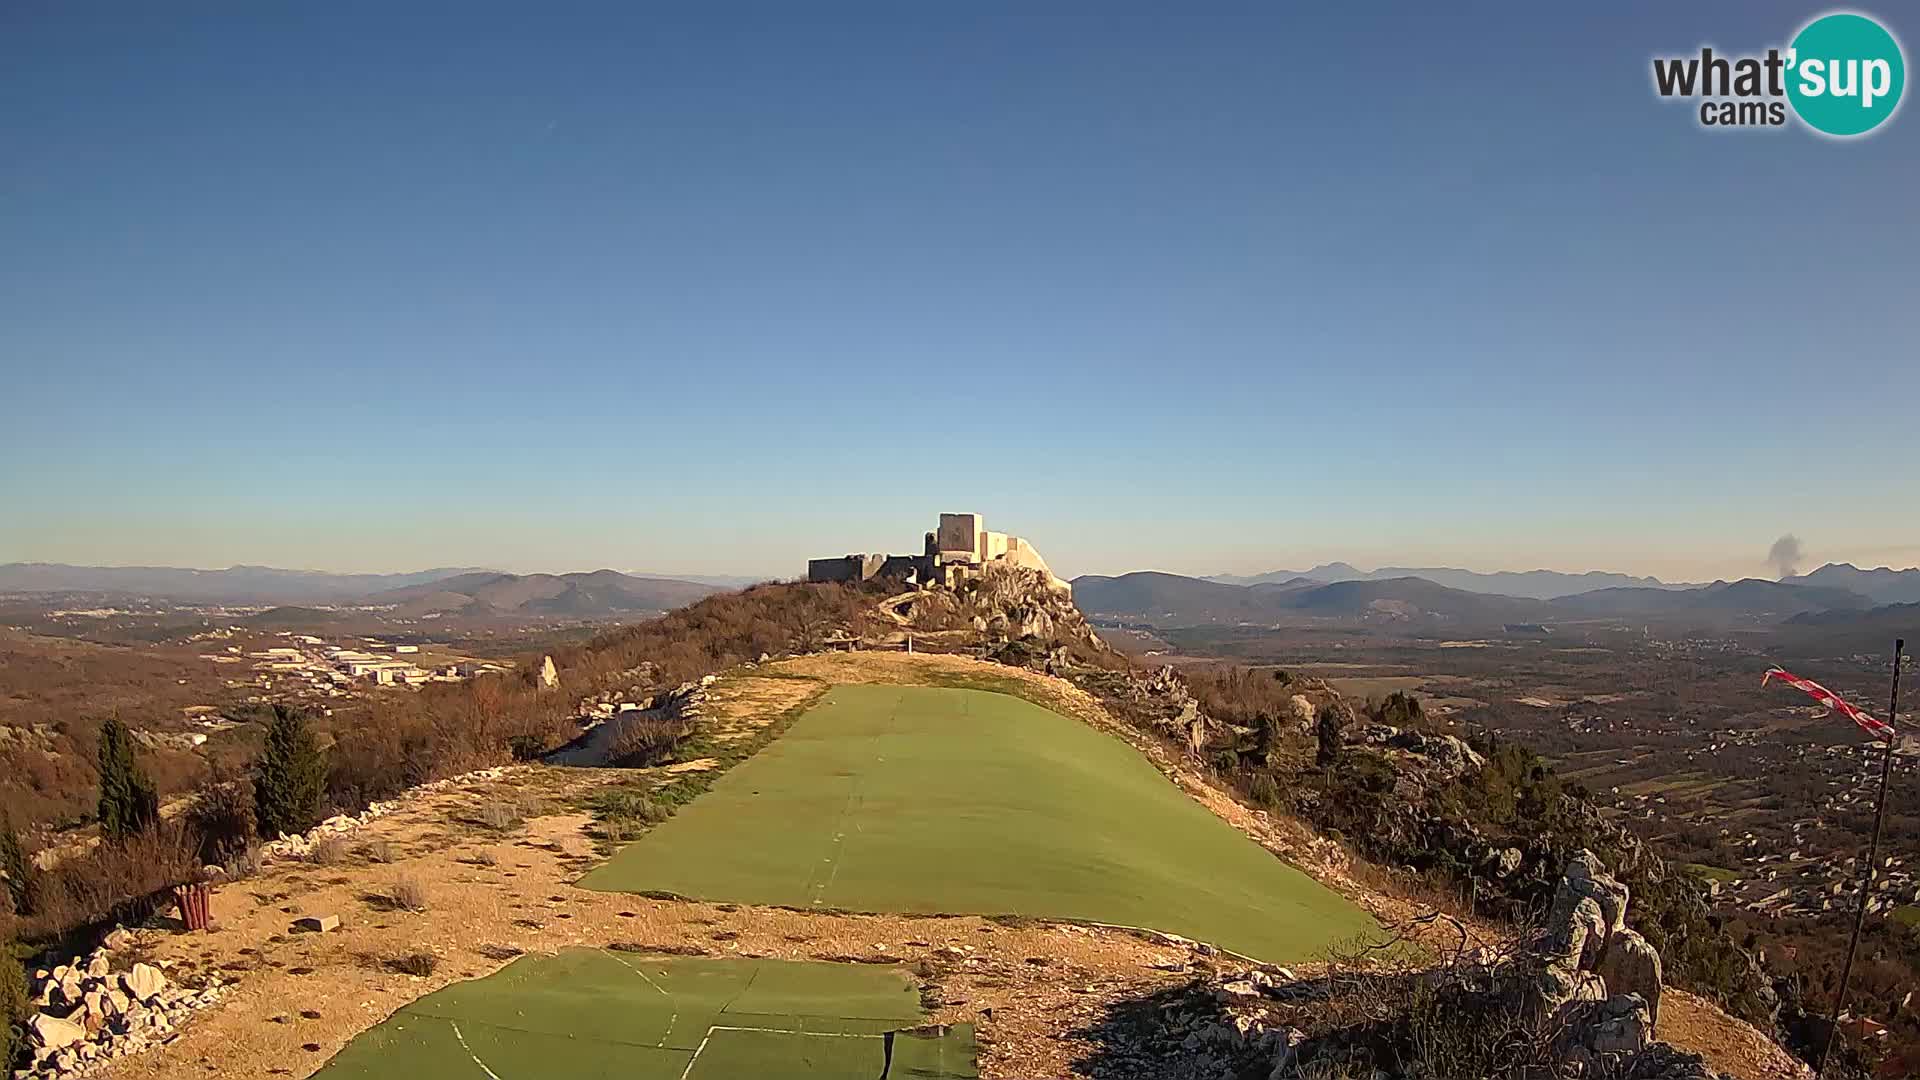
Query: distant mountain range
{"x": 446, "y": 589}
{"x": 1835, "y": 632}
{"x": 1526, "y": 584}
{"x": 601, "y": 592}
{"x": 725, "y": 581}
{"x": 235, "y": 584}
{"x": 1171, "y": 600}
{"x": 1882, "y": 585}
{"x": 1749, "y": 596}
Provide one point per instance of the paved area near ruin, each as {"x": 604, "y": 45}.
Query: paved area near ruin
{"x": 935, "y": 800}
{"x": 601, "y": 1013}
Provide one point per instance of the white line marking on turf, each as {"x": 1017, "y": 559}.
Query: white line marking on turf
{"x": 671, "y": 1000}
{"x": 808, "y": 1034}
{"x": 469, "y": 1050}
{"x": 688, "y": 1071}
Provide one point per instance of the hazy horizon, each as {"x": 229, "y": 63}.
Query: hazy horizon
{"x": 799, "y": 570}
{"x": 362, "y": 287}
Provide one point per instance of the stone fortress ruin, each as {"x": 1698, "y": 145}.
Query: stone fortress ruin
{"x": 959, "y": 549}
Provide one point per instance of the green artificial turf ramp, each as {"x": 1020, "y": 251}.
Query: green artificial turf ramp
{"x": 589, "y": 1013}
{"x": 923, "y": 799}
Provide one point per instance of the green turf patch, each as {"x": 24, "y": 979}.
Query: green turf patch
{"x": 589, "y": 1013}
{"x": 1713, "y": 873}
{"x": 937, "y": 800}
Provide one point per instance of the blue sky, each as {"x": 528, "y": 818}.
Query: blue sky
{"x": 378, "y": 286}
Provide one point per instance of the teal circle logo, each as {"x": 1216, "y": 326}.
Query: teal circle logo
{"x": 1845, "y": 74}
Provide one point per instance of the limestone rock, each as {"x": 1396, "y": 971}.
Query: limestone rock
{"x": 143, "y": 983}
{"x": 1448, "y": 753}
{"x": 1555, "y": 988}
{"x": 1508, "y": 861}
{"x": 317, "y": 924}
{"x": 1572, "y": 937}
{"x": 54, "y": 1033}
{"x": 1586, "y": 876}
{"x": 1586, "y": 879}
{"x": 549, "y": 675}
{"x": 1617, "y": 1025}
{"x": 1630, "y": 965}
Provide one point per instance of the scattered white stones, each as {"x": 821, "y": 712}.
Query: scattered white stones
{"x": 53, "y": 1032}
{"x": 297, "y": 847}
{"x": 90, "y": 1015}
{"x": 143, "y": 983}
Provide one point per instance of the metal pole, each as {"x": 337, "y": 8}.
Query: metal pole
{"x": 1873, "y": 857}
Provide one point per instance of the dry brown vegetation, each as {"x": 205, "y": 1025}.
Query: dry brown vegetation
{"x": 55, "y": 692}
{"x": 392, "y": 743}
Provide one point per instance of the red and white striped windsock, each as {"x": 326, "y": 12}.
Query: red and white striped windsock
{"x": 1879, "y": 729}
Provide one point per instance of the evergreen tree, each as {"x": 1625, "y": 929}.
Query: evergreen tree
{"x": 16, "y": 866}
{"x": 13, "y": 1006}
{"x": 1266, "y": 737}
{"x": 291, "y": 778}
{"x": 1401, "y": 710}
{"x": 128, "y": 801}
{"x": 1331, "y": 730}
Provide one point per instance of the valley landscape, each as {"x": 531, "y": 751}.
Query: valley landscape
{"x": 744, "y": 800}
{"x": 641, "y": 542}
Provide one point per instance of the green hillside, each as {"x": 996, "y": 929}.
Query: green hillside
{"x": 917, "y": 799}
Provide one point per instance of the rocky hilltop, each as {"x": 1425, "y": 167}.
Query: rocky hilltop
{"x": 1582, "y": 998}
{"x": 1584, "y": 991}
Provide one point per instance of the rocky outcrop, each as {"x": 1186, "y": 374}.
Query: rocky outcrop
{"x": 1594, "y": 981}
{"x": 1580, "y": 999}
{"x": 1630, "y": 965}
{"x": 88, "y": 1014}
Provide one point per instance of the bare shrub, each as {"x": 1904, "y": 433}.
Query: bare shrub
{"x": 407, "y": 894}
{"x": 111, "y": 882}
{"x": 220, "y": 816}
{"x": 419, "y": 964}
{"x": 328, "y": 851}
{"x": 620, "y": 830}
{"x": 381, "y": 851}
{"x": 623, "y": 814}
{"x": 644, "y": 740}
{"x": 1264, "y": 790}
{"x": 500, "y": 815}
{"x": 243, "y": 864}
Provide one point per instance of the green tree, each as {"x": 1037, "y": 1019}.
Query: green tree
{"x": 128, "y": 802}
{"x": 291, "y": 778}
{"x": 1402, "y": 710}
{"x": 17, "y": 867}
{"x": 13, "y": 1006}
{"x": 1331, "y": 730}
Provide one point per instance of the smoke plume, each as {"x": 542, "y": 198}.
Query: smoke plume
{"x": 1786, "y": 555}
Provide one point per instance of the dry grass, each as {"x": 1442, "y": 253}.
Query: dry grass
{"x": 500, "y": 815}
{"x": 418, "y": 964}
{"x": 329, "y": 851}
{"x": 406, "y": 893}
